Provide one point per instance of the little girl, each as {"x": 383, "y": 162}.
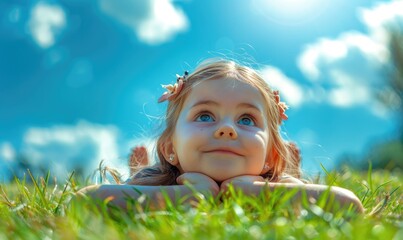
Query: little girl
{"x": 222, "y": 127}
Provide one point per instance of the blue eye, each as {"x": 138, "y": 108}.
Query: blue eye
{"x": 204, "y": 118}
{"x": 246, "y": 121}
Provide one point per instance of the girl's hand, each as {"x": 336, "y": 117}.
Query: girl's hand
{"x": 242, "y": 182}
{"x": 200, "y": 181}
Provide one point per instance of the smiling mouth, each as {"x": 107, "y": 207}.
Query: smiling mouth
{"x": 224, "y": 151}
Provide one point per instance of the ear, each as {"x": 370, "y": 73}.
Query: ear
{"x": 271, "y": 157}
{"x": 167, "y": 149}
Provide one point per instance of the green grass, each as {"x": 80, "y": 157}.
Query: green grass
{"x": 43, "y": 210}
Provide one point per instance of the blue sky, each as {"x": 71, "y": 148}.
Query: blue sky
{"x": 79, "y": 80}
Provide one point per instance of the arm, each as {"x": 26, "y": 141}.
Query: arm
{"x": 337, "y": 197}
{"x": 289, "y": 179}
{"x": 119, "y": 194}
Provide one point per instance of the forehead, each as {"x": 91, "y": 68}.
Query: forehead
{"x": 226, "y": 91}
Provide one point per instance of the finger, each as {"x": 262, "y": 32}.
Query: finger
{"x": 180, "y": 179}
{"x": 224, "y": 186}
{"x": 183, "y": 178}
{"x": 259, "y": 179}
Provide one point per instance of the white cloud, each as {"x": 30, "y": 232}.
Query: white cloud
{"x": 347, "y": 69}
{"x": 288, "y": 88}
{"x": 323, "y": 50}
{"x": 45, "y": 22}
{"x": 381, "y": 16}
{"x": 7, "y": 152}
{"x": 153, "y": 21}
{"x": 326, "y": 53}
{"x": 347, "y": 91}
{"x": 63, "y": 147}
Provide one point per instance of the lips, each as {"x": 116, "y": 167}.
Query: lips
{"x": 225, "y": 150}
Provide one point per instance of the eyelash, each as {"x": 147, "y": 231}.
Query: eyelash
{"x": 250, "y": 117}
{"x": 203, "y": 113}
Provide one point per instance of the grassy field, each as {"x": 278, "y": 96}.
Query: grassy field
{"x": 43, "y": 210}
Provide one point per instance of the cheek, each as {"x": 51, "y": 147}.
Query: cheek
{"x": 182, "y": 135}
{"x": 258, "y": 140}
{"x": 261, "y": 151}
{"x": 186, "y": 139}
{"x": 191, "y": 133}
{"x": 260, "y": 145}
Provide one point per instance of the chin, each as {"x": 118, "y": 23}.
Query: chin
{"x": 219, "y": 177}
{"x": 222, "y": 172}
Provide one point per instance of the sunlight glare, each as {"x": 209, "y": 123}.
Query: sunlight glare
{"x": 290, "y": 12}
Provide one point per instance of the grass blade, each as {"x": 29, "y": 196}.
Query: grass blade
{"x": 64, "y": 191}
{"x": 41, "y": 195}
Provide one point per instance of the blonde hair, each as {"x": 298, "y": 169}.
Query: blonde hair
{"x": 282, "y": 158}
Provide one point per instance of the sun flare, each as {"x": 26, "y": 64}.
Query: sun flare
{"x": 290, "y": 11}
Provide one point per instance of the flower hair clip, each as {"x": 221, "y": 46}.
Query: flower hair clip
{"x": 282, "y": 106}
{"x": 173, "y": 90}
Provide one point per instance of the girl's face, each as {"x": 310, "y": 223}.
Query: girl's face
{"x": 222, "y": 130}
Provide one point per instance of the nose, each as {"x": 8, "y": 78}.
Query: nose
{"x": 226, "y": 131}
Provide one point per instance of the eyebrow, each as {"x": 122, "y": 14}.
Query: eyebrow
{"x": 204, "y": 102}
{"x": 210, "y": 102}
{"x": 249, "y": 105}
